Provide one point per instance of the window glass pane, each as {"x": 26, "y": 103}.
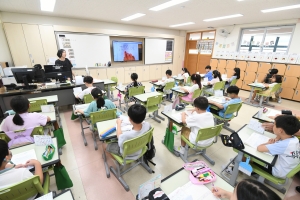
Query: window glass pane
{"x": 252, "y": 39}
{"x": 193, "y": 51}
{"x": 208, "y": 35}
{"x": 277, "y": 39}
{"x": 195, "y": 36}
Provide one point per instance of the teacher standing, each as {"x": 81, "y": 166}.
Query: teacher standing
{"x": 63, "y": 61}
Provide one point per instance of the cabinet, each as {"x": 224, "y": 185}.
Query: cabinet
{"x": 222, "y": 64}
{"x": 245, "y": 84}
{"x": 143, "y": 72}
{"x": 281, "y": 68}
{"x": 222, "y": 70}
{"x": 231, "y": 64}
{"x": 297, "y": 95}
{"x": 250, "y": 76}
{"x": 229, "y": 72}
{"x": 242, "y": 65}
{"x": 287, "y": 93}
{"x": 264, "y": 67}
{"x": 292, "y": 70}
{"x": 17, "y": 44}
{"x": 155, "y": 72}
{"x": 127, "y": 74}
{"x": 242, "y": 75}
{"x": 79, "y": 72}
{"x": 48, "y": 41}
{"x": 298, "y": 86}
{"x": 252, "y": 67}
{"x": 99, "y": 74}
{"x": 239, "y": 83}
{"x": 164, "y": 68}
{"x": 289, "y": 82}
{"x": 214, "y": 63}
{"x": 260, "y": 77}
{"x": 117, "y": 72}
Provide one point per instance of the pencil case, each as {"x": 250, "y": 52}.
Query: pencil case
{"x": 200, "y": 173}
{"x": 49, "y": 152}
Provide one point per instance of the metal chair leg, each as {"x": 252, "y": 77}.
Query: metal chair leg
{"x": 105, "y": 161}
{"x": 95, "y": 141}
{"x": 117, "y": 174}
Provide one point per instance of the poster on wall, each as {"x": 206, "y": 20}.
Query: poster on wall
{"x": 242, "y": 56}
{"x": 168, "y": 56}
{"x": 205, "y": 46}
{"x": 283, "y": 58}
{"x": 231, "y": 55}
{"x": 276, "y": 57}
{"x": 248, "y": 56}
{"x": 66, "y": 43}
{"x": 255, "y": 56}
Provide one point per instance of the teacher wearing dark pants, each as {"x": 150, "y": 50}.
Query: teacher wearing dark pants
{"x": 63, "y": 61}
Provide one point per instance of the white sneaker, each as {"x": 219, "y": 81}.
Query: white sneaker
{"x": 179, "y": 149}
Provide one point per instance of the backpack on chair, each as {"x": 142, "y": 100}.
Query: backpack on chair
{"x": 150, "y": 153}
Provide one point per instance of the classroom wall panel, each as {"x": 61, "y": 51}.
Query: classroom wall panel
{"x": 264, "y": 67}
{"x": 214, "y": 63}
{"x": 252, "y": 66}
{"x": 281, "y": 68}
{"x": 230, "y": 64}
{"x": 242, "y": 65}
{"x": 245, "y": 84}
{"x": 250, "y": 76}
{"x": 260, "y": 77}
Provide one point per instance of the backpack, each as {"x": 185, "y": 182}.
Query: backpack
{"x": 150, "y": 153}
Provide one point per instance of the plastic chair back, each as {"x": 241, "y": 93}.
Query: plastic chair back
{"x": 88, "y": 98}
{"x": 112, "y": 86}
{"x": 25, "y": 189}
{"x": 136, "y": 90}
{"x": 39, "y": 130}
{"x": 169, "y": 85}
{"x": 275, "y": 88}
{"x": 188, "y": 80}
{"x": 153, "y": 101}
{"x": 293, "y": 171}
{"x": 197, "y": 93}
{"x": 103, "y": 115}
{"x": 232, "y": 108}
{"x": 233, "y": 82}
{"x": 219, "y": 85}
{"x": 210, "y": 132}
{"x": 138, "y": 143}
{"x": 35, "y": 106}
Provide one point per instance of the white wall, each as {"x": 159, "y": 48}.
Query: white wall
{"x": 5, "y": 55}
{"x": 235, "y": 32}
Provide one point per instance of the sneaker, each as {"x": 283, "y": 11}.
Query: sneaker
{"x": 228, "y": 170}
{"x": 179, "y": 149}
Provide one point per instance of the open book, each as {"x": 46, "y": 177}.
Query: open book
{"x": 257, "y": 139}
{"x": 77, "y": 90}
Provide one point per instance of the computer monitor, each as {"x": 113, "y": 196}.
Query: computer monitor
{"x": 24, "y": 75}
{"x": 57, "y": 72}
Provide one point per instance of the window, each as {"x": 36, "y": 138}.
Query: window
{"x": 269, "y": 39}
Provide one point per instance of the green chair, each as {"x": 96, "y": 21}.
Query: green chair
{"x": 100, "y": 116}
{"x": 153, "y": 105}
{"x": 130, "y": 147}
{"x": 196, "y": 94}
{"x": 132, "y": 92}
{"x": 113, "y": 87}
{"x": 188, "y": 81}
{"x": 168, "y": 86}
{"x": 231, "y": 109}
{"x": 217, "y": 86}
{"x": 272, "y": 180}
{"x": 88, "y": 98}
{"x": 267, "y": 94}
{"x": 26, "y": 189}
{"x": 233, "y": 82}
{"x": 203, "y": 134}
{"x": 35, "y": 106}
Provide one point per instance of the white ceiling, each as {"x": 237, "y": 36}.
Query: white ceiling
{"x": 191, "y": 11}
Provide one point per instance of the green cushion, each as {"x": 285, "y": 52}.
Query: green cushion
{"x": 266, "y": 175}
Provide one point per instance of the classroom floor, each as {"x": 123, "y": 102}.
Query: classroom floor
{"x": 86, "y": 168}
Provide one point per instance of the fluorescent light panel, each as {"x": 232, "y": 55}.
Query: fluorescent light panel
{"x": 224, "y": 17}
{"x": 47, "y": 5}
{"x": 167, "y": 5}
{"x": 281, "y": 8}
{"x": 137, "y": 15}
{"x": 183, "y": 24}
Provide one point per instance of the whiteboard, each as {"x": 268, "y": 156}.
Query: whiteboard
{"x": 158, "y": 51}
{"x": 85, "y": 49}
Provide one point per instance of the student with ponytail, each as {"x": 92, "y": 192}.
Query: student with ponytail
{"x": 216, "y": 78}
{"x": 98, "y": 104}
{"x": 134, "y": 83}
{"x": 196, "y": 81}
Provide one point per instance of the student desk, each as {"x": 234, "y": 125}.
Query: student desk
{"x": 264, "y": 117}
{"x": 253, "y": 87}
{"x": 181, "y": 177}
{"x": 178, "y": 91}
{"x": 65, "y": 195}
{"x": 179, "y": 79}
{"x": 107, "y": 84}
{"x": 39, "y": 150}
{"x": 82, "y": 107}
{"x": 104, "y": 125}
{"x": 121, "y": 91}
{"x": 143, "y": 99}
{"x": 217, "y": 100}
{"x": 244, "y": 134}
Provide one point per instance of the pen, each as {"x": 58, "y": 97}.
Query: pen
{"x": 214, "y": 187}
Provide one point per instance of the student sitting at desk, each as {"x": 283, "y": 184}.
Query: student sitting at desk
{"x": 63, "y": 61}
{"x": 185, "y": 73}
{"x": 11, "y": 174}
{"x": 196, "y": 81}
{"x": 88, "y": 81}
{"x": 216, "y": 78}
{"x": 247, "y": 189}
{"x": 134, "y": 83}
{"x": 23, "y": 120}
{"x": 274, "y": 80}
{"x": 285, "y": 145}
{"x": 136, "y": 116}
{"x": 208, "y": 74}
{"x": 233, "y": 92}
{"x": 198, "y": 119}
{"x": 168, "y": 80}
{"x": 98, "y": 104}
{"x": 269, "y": 76}
{"x": 236, "y": 75}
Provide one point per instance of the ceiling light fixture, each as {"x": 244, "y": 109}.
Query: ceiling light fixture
{"x": 47, "y": 5}
{"x": 167, "y": 5}
{"x": 183, "y": 24}
{"x": 224, "y": 17}
{"x": 281, "y": 8}
{"x": 137, "y": 15}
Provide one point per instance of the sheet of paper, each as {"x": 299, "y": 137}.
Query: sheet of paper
{"x": 256, "y": 139}
{"x": 256, "y": 126}
{"x": 22, "y": 158}
{"x": 9, "y": 80}
{"x": 168, "y": 108}
{"x": 81, "y": 107}
{"x": 79, "y": 80}
{"x": 77, "y": 90}
{"x": 260, "y": 112}
{"x": 273, "y": 113}
{"x": 148, "y": 186}
{"x": 177, "y": 117}
{"x": 47, "y": 108}
{"x": 48, "y": 196}
{"x": 42, "y": 140}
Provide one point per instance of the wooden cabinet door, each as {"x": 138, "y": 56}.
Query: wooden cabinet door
{"x": 102, "y": 74}
{"x": 281, "y": 68}
{"x": 112, "y": 72}
{"x": 298, "y": 85}
{"x": 260, "y": 76}
{"x": 48, "y": 41}
{"x": 222, "y": 70}
{"x": 231, "y": 64}
{"x": 94, "y": 73}
{"x": 242, "y": 65}
{"x": 152, "y": 71}
{"x": 252, "y": 66}
{"x": 17, "y": 44}
{"x": 287, "y": 93}
{"x": 222, "y": 64}
{"x": 127, "y": 76}
{"x": 242, "y": 75}
{"x": 79, "y": 72}
{"x": 292, "y": 70}
{"x": 264, "y": 67}
{"x": 120, "y": 74}
{"x": 239, "y": 83}
{"x": 245, "y": 85}
{"x": 158, "y": 72}
{"x": 214, "y": 63}
{"x": 34, "y": 44}
{"x": 289, "y": 82}
{"x": 146, "y": 73}
{"x": 296, "y": 96}
{"x": 250, "y": 76}
{"x": 139, "y": 71}
{"x": 229, "y": 72}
